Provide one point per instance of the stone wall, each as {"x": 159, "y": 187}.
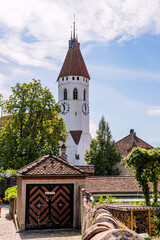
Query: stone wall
{"x": 99, "y": 224}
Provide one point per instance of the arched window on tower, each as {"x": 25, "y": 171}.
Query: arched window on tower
{"x": 84, "y": 95}
{"x": 75, "y": 94}
{"x": 65, "y": 94}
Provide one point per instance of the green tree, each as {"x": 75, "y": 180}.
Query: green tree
{"x": 103, "y": 154}
{"x": 0, "y": 101}
{"x": 32, "y": 127}
{"x": 146, "y": 167}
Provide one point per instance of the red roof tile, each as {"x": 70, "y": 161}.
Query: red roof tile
{"x": 74, "y": 64}
{"x": 126, "y": 144}
{"x": 87, "y": 169}
{"x": 113, "y": 184}
{"x": 50, "y": 165}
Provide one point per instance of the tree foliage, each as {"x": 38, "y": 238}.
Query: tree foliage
{"x": 0, "y": 99}
{"x": 103, "y": 154}
{"x": 146, "y": 166}
{"x": 32, "y": 127}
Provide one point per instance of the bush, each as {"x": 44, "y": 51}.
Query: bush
{"x": 107, "y": 200}
{"x": 157, "y": 222}
{"x": 10, "y": 193}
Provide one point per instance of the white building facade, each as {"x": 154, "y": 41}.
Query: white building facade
{"x": 73, "y": 96}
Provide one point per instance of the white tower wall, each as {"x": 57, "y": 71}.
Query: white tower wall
{"x": 77, "y": 117}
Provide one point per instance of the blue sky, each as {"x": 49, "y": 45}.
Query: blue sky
{"x": 120, "y": 43}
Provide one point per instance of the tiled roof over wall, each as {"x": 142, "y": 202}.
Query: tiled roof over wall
{"x": 50, "y": 165}
{"x": 113, "y": 184}
{"x": 87, "y": 169}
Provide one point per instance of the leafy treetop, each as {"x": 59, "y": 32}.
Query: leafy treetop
{"x": 33, "y": 126}
{"x": 103, "y": 154}
{"x": 146, "y": 166}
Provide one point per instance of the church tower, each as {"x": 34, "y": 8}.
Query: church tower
{"x": 73, "y": 97}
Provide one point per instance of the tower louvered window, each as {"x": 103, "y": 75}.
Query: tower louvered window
{"x": 75, "y": 94}
{"x": 84, "y": 95}
{"x": 65, "y": 94}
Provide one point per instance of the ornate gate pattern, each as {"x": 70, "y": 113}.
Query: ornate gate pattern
{"x": 49, "y": 206}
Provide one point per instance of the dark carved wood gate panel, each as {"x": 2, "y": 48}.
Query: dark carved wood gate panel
{"x": 49, "y": 206}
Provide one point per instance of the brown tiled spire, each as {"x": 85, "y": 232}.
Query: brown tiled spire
{"x": 74, "y": 64}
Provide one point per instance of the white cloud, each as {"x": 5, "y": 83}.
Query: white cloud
{"x": 125, "y": 74}
{"x": 3, "y": 90}
{"x": 154, "y": 111}
{"x": 35, "y": 32}
{"x": 7, "y": 80}
{"x": 15, "y": 72}
{"x": 3, "y": 60}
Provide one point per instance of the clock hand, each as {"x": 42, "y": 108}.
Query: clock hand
{"x": 63, "y": 107}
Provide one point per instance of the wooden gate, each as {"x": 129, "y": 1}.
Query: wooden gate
{"x": 49, "y": 206}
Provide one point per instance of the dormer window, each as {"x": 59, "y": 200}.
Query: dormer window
{"x": 65, "y": 94}
{"x": 75, "y": 94}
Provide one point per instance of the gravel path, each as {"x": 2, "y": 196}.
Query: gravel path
{"x": 8, "y": 232}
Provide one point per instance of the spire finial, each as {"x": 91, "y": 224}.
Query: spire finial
{"x": 71, "y": 31}
{"x": 74, "y": 27}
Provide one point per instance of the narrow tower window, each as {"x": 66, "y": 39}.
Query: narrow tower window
{"x": 75, "y": 94}
{"x": 65, "y": 94}
{"x": 84, "y": 95}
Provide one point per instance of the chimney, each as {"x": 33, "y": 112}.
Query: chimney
{"x": 63, "y": 151}
{"x": 132, "y": 134}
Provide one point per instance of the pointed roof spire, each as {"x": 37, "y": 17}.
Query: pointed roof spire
{"x": 74, "y": 63}
{"x": 74, "y": 23}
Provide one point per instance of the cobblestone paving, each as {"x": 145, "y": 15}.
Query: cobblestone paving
{"x": 8, "y": 232}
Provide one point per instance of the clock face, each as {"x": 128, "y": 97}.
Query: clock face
{"x": 85, "y": 108}
{"x": 65, "y": 108}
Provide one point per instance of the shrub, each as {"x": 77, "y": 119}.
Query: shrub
{"x": 107, "y": 200}
{"x": 157, "y": 222}
{"x": 10, "y": 193}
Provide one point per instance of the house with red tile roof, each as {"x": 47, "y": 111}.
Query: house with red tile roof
{"x": 126, "y": 144}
